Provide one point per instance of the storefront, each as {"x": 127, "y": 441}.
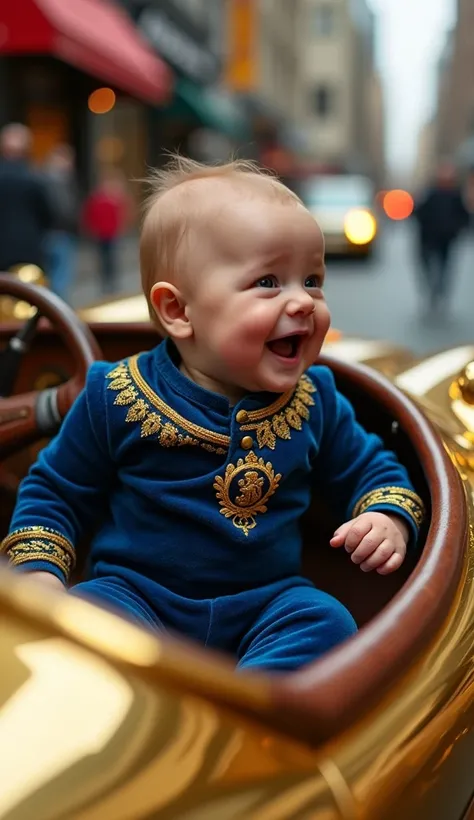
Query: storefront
{"x": 201, "y": 118}
{"x": 78, "y": 72}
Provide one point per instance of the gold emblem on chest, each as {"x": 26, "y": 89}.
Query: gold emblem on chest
{"x": 245, "y": 489}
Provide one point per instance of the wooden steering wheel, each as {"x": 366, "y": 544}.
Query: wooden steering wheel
{"x": 27, "y": 417}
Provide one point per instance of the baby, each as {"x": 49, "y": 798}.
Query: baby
{"x": 195, "y": 461}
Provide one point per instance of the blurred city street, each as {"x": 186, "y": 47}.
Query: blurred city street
{"x": 382, "y": 299}
{"x": 378, "y": 299}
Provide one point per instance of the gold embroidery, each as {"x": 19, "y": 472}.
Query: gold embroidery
{"x": 151, "y": 425}
{"x": 298, "y": 403}
{"x": 39, "y": 544}
{"x": 275, "y": 421}
{"x": 400, "y": 497}
{"x": 126, "y": 397}
{"x": 251, "y": 492}
{"x": 127, "y": 381}
{"x": 194, "y": 430}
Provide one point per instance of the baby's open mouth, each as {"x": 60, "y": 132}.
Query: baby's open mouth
{"x": 287, "y": 348}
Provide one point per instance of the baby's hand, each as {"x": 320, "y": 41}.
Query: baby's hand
{"x": 375, "y": 540}
{"x": 48, "y": 579}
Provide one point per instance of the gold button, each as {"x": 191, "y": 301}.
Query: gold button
{"x": 242, "y": 417}
{"x": 247, "y": 442}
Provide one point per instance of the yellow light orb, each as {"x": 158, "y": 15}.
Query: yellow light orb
{"x": 360, "y": 227}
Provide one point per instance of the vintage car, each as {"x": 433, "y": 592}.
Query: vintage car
{"x": 344, "y": 206}
{"x": 102, "y": 721}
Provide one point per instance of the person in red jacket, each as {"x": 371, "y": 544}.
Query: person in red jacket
{"x": 105, "y": 218}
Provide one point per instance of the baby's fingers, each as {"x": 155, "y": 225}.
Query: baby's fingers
{"x": 379, "y": 557}
{"x": 391, "y": 565}
{"x": 360, "y": 530}
{"x": 367, "y": 547}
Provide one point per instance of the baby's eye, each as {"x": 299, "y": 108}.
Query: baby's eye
{"x": 313, "y": 282}
{"x": 267, "y": 282}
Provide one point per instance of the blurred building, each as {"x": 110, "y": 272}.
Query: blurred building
{"x": 201, "y": 118}
{"x": 264, "y": 69}
{"x": 454, "y": 122}
{"x": 425, "y": 157}
{"x": 376, "y": 132}
{"x": 345, "y": 111}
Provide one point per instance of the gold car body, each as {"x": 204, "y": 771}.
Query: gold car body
{"x": 101, "y": 721}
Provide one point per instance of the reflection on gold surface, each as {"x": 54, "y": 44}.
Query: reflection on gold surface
{"x": 121, "y": 309}
{"x": 106, "y": 735}
{"x": 15, "y": 309}
{"x": 42, "y": 706}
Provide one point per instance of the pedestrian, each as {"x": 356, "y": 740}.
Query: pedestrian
{"x": 441, "y": 215}
{"x": 26, "y": 211}
{"x": 62, "y": 240}
{"x": 105, "y": 218}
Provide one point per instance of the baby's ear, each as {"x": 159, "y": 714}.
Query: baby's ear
{"x": 169, "y": 305}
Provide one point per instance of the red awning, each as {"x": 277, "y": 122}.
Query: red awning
{"x": 93, "y": 35}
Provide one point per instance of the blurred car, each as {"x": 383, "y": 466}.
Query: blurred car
{"x": 101, "y": 720}
{"x": 343, "y": 205}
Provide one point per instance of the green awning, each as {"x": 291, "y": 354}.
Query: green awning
{"x": 212, "y": 108}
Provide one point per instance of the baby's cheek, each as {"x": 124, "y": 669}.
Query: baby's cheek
{"x": 240, "y": 333}
{"x": 322, "y": 318}
{"x": 238, "y": 349}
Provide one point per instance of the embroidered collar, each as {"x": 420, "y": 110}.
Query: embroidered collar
{"x": 158, "y": 419}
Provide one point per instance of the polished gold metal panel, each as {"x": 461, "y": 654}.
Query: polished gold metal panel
{"x": 92, "y": 726}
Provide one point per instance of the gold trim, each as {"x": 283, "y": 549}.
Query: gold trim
{"x": 275, "y": 407}
{"x": 250, "y": 495}
{"x": 40, "y": 533}
{"x": 127, "y": 381}
{"x": 154, "y": 399}
{"x": 406, "y": 500}
{"x": 21, "y": 557}
{"x": 142, "y": 402}
{"x": 39, "y": 544}
{"x": 298, "y": 402}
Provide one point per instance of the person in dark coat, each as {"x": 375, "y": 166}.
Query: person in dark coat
{"x": 26, "y": 212}
{"x": 441, "y": 215}
{"x": 62, "y": 240}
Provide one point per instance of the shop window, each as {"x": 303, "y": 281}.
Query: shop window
{"x": 325, "y": 20}
{"x": 49, "y": 127}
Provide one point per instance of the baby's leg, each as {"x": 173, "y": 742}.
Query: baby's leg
{"x": 298, "y": 626}
{"x": 116, "y": 596}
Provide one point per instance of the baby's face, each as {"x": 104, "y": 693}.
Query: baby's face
{"x": 254, "y": 296}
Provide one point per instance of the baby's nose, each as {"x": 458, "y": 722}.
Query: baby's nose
{"x": 302, "y": 303}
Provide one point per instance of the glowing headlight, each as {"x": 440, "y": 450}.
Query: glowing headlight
{"x": 360, "y": 227}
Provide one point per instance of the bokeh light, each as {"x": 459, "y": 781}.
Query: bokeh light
{"x": 101, "y": 101}
{"x": 360, "y": 227}
{"x": 398, "y": 204}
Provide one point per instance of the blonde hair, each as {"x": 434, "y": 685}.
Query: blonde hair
{"x": 163, "y": 229}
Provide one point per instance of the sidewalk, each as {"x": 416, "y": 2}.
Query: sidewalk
{"x": 87, "y": 289}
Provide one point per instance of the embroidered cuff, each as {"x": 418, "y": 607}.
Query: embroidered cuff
{"x": 39, "y": 544}
{"x": 407, "y": 502}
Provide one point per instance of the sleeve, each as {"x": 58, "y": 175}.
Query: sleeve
{"x": 354, "y": 471}
{"x": 66, "y": 489}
